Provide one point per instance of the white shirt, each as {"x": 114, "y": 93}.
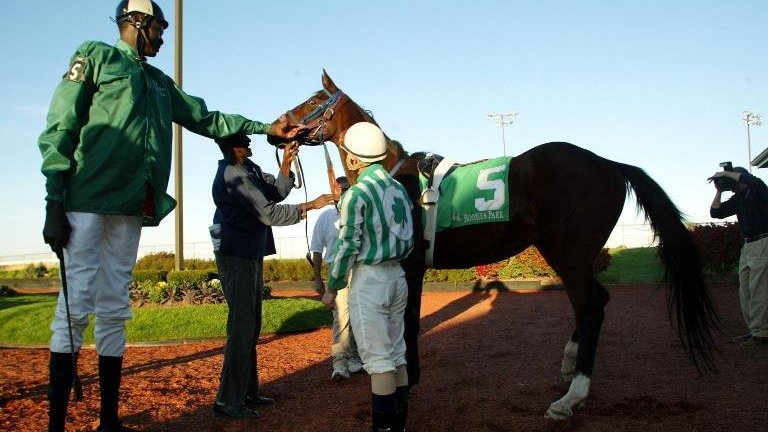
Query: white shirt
{"x": 325, "y": 233}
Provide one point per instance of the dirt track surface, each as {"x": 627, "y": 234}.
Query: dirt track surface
{"x": 490, "y": 363}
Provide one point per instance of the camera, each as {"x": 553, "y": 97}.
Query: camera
{"x": 725, "y": 183}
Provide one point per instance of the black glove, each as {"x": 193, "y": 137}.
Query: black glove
{"x": 56, "y": 230}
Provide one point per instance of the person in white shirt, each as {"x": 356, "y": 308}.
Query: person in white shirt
{"x": 343, "y": 346}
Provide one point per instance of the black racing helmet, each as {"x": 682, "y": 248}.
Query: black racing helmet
{"x": 126, "y": 7}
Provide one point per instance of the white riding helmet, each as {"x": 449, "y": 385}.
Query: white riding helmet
{"x": 147, "y": 7}
{"x": 365, "y": 141}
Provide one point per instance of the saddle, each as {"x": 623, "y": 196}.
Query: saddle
{"x": 428, "y": 168}
{"x": 428, "y": 164}
{"x": 433, "y": 168}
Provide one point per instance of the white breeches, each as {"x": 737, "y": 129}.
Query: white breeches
{"x": 99, "y": 260}
{"x": 377, "y": 298}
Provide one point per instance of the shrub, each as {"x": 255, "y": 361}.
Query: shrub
{"x": 719, "y": 246}
{"x": 150, "y": 276}
{"x": 184, "y": 279}
{"x": 271, "y": 270}
{"x": 209, "y": 292}
{"x": 167, "y": 261}
{"x": 459, "y": 275}
{"x": 33, "y": 271}
{"x": 450, "y": 275}
{"x": 287, "y": 270}
{"x": 602, "y": 261}
{"x": 489, "y": 271}
{"x": 527, "y": 264}
{"x": 157, "y": 292}
{"x": 530, "y": 263}
{"x": 156, "y": 261}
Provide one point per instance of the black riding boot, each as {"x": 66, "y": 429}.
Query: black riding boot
{"x": 383, "y": 412}
{"x": 110, "y": 369}
{"x": 401, "y": 413}
{"x": 61, "y": 375}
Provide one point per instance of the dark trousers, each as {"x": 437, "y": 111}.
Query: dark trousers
{"x": 242, "y": 281}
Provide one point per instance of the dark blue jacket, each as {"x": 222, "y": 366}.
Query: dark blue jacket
{"x": 247, "y": 207}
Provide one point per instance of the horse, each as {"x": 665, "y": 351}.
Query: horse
{"x": 564, "y": 200}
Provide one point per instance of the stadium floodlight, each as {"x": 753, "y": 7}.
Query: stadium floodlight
{"x": 502, "y": 120}
{"x": 750, "y": 119}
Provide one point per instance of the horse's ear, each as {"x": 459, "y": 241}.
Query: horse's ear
{"x": 328, "y": 83}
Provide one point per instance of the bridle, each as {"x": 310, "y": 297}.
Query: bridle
{"x": 317, "y": 118}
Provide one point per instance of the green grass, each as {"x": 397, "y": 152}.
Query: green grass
{"x": 25, "y": 320}
{"x": 636, "y": 265}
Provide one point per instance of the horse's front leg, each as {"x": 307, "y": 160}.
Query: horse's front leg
{"x": 414, "y": 276}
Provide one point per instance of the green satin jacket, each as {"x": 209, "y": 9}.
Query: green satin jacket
{"x": 109, "y": 133}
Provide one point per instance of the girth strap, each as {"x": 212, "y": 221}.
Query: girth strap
{"x": 429, "y": 200}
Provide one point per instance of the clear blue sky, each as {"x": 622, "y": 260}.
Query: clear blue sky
{"x": 657, "y": 84}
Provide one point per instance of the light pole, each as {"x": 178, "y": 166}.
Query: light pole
{"x": 179, "y": 177}
{"x": 503, "y": 119}
{"x": 750, "y": 119}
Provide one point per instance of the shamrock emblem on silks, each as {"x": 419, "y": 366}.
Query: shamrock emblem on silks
{"x": 398, "y": 213}
{"x": 398, "y": 208}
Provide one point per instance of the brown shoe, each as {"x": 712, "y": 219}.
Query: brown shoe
{"x": 755, "y": 341}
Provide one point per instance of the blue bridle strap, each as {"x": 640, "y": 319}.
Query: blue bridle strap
{"x": 317, "y": 112}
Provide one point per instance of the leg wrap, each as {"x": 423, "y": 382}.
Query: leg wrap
{"x": 110, "y": 369}
{"x": 61, "y": 375}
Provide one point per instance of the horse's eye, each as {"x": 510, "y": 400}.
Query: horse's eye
{"x": 312, "y": 102}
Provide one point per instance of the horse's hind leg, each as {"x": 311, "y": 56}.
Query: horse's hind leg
{"x": 570, "y": 354}
{"x": 588, "y": 299}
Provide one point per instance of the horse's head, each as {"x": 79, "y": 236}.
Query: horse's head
{"x": 328, "y": 114}
{"x": 325, "y": 114}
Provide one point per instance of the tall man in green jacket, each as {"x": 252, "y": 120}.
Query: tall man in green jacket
{"x": 106, "y": 158}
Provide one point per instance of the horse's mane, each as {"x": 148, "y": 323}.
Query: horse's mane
{"x": 368, "y": 116}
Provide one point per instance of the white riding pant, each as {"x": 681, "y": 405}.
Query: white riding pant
{"x": 377, "y": 298}
{"x": 753, "y": 286}
{"x": 99, "y": 260}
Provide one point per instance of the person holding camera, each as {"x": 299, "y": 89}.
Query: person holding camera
{"x": 750, "y": 205}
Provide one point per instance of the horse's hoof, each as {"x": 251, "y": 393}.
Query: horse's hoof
{"x": 558, "y": 412}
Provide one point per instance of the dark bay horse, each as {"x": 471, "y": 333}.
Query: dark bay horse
{"x": 563, "y": 199}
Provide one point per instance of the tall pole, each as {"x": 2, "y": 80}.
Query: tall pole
{"x": 503, "y": 119}
{"x": 750, "y": 119}
{"x": 178, "y": 176}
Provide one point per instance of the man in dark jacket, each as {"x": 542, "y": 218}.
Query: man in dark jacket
{"x": 750, "y": 205}
{"x": 247, "y": 208}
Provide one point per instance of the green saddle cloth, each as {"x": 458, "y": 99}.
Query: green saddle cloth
{"x": 473, "y": 193}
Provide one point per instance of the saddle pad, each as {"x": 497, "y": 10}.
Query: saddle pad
{"x": 474, "y": 193}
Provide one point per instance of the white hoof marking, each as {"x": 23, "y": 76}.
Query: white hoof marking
{"x": 577, "y": 393}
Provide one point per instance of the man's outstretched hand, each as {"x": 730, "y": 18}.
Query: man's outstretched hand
{"x": 281, "y": 128}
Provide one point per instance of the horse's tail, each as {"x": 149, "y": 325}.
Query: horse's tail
{"x": 687, "y": 295}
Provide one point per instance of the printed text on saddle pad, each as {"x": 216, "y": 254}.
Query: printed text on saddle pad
{"x": 472, "y": 194}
